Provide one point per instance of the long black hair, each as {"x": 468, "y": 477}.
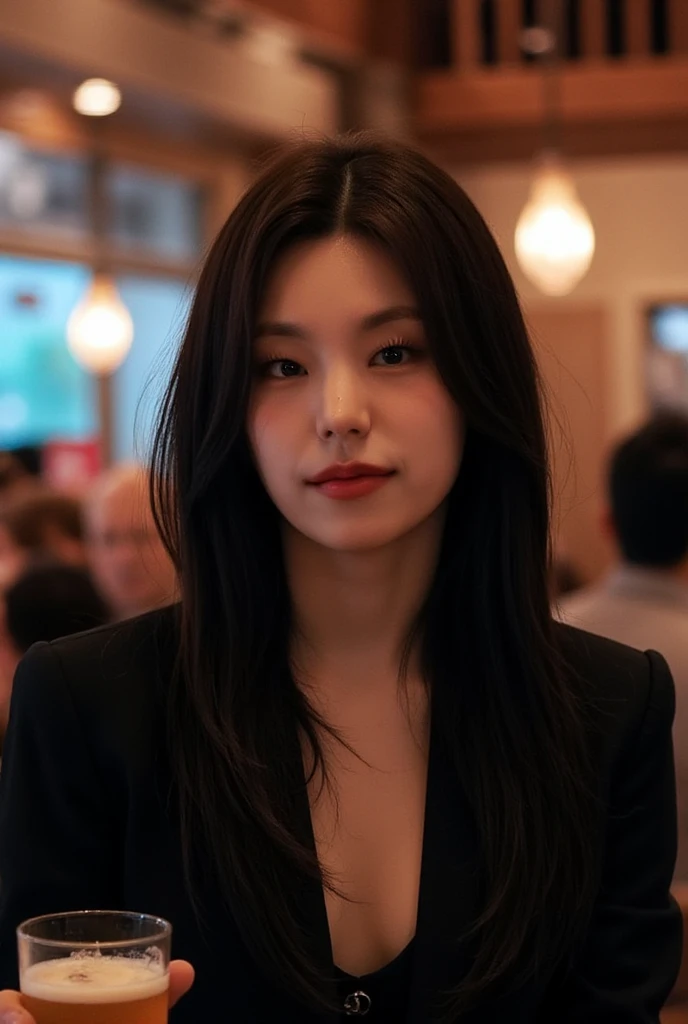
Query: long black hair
{"x": 503, "y": 707}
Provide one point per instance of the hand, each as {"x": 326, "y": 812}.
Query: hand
{"x": 181, "y": 980}
{"x": 12, "y": 1011}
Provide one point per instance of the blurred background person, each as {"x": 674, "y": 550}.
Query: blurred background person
{"x": 38, "y": 522}
{"x": 643, "y": 601}
{"x": 37, "y": 525}
{"x": 46, "y": 601}
{"x": 125, "y": 553}
{"x": 13, "y": 475}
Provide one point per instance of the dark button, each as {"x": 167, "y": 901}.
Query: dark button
{"x": 357, "y": 1004}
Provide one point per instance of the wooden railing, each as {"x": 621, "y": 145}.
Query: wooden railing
{"x": 465, "y": 34}
{"x": 623, "y": 76}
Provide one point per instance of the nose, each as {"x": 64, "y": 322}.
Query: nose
{"x": 343, "y": 406}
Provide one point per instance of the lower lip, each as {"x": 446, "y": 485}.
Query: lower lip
{"x": 354, "y": 487}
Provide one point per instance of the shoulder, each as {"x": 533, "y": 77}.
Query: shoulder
{"x": 104, "y": 650}
{"x": 625, "y": 692}
{"x": 121, "y": 665}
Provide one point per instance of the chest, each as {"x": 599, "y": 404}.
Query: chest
{"x": 368, "y": 821}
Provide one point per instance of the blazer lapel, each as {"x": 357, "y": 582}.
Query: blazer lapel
{"x": 448, "y": 891}
{"x": 312, "y": 910}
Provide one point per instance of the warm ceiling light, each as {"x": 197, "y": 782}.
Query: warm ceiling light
{"x": 554, "y": 239}
{"x": 97, "y": 97}
{"x": 100, "y": 329}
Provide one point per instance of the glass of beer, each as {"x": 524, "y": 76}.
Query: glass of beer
{"x": 95, "y": 967}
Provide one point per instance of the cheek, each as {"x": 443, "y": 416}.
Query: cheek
{"x": 270, "y": 428}
{"x": 434, "y": 432}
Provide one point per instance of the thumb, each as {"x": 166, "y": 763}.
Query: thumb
{"x": 181, "y": 979}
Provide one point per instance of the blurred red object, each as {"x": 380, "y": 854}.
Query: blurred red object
{"x": 70, "y": 466}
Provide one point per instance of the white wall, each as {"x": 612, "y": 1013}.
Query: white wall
{"x": 639, "y": 208}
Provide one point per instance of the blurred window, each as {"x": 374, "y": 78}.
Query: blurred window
{"x": 44, "y": 394}
{"x": 158, "y": 307}
{"x": 154, "y": 219}
{"x": 156, "y": 213}
{"x": 42, "y": 192}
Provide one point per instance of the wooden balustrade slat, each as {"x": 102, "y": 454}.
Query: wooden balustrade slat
{"x": 638, "y": 39}
{"x": 593, "y": 30}
{"x": 466, "y": 36}
{"x": 678, "y": 26}
{"x": 550, "y": 14}
{"x": 508, "y": 31}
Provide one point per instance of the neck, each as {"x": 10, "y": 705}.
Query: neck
{"x": 353, "y": 610}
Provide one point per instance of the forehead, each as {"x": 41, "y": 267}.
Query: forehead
{"x": 329, "y": 277}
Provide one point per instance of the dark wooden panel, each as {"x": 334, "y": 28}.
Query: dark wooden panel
{"x": 638, "y": 28}
{"x": 678, "y": 26}
{"x": 508, "y": 31}
{"x": 466, "y": 36}
{"x": 593, "y": 32}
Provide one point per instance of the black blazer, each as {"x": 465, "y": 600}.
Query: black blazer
{"x": 86, "y": 822}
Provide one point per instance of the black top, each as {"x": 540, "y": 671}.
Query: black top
{"x": 381, "y": 997}
{"x": 86, "y": 821}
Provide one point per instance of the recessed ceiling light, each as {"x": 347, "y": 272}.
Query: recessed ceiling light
{"x": 97, "y": 98}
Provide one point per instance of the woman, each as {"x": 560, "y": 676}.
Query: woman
{"x": 359, "y": 768}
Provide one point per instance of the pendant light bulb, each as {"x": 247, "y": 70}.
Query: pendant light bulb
{"x": 554, "y": 237}
{"x": 100, "y": 330}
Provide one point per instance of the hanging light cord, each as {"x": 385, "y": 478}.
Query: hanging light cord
{"x": 543, "y": 43}
{"x": 98, "y": 200}
{"x": 551, "y": 91}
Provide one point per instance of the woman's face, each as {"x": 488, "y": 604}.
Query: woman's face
{"x": 344, "y": 377}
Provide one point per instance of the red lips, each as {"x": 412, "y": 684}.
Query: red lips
{"x": 348, "y": 471}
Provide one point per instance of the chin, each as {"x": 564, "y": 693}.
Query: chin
{"x": 358, "y": 538}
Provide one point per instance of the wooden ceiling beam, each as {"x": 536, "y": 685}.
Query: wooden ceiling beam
{"x": 497, "y": 98}
{"x": 593, "y": 139}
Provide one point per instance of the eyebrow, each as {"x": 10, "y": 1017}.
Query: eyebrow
{"x": 282, "y": 329}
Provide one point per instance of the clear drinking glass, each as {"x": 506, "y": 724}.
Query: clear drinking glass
{"x": 95, "y": 967}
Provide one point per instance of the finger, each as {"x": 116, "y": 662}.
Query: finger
{"x": 181, "y": 979}
{"x": 11, "y": 1009}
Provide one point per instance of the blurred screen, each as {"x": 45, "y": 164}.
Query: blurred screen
{"x": 669, "y": 326}
{"x": 667, "y": 356}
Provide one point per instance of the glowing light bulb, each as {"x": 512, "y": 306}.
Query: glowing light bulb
{"x": 96, "y": 97}
{"x": 554, "y": 238}
{"x": 100, "y": 330}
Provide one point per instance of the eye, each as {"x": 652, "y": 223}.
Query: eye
{"x": 281, "y": 369}
{"x": 397, "y": 354}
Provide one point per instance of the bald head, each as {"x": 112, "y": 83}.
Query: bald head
{"x": 125, "y": 552}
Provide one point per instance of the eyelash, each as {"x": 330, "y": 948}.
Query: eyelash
{"x": 395, "y": 343}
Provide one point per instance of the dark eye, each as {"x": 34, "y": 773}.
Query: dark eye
{"x": 282, "y": 368}
{"x": 393, "y": 355}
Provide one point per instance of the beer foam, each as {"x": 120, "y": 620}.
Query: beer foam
{"x": 94, "y": 979}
